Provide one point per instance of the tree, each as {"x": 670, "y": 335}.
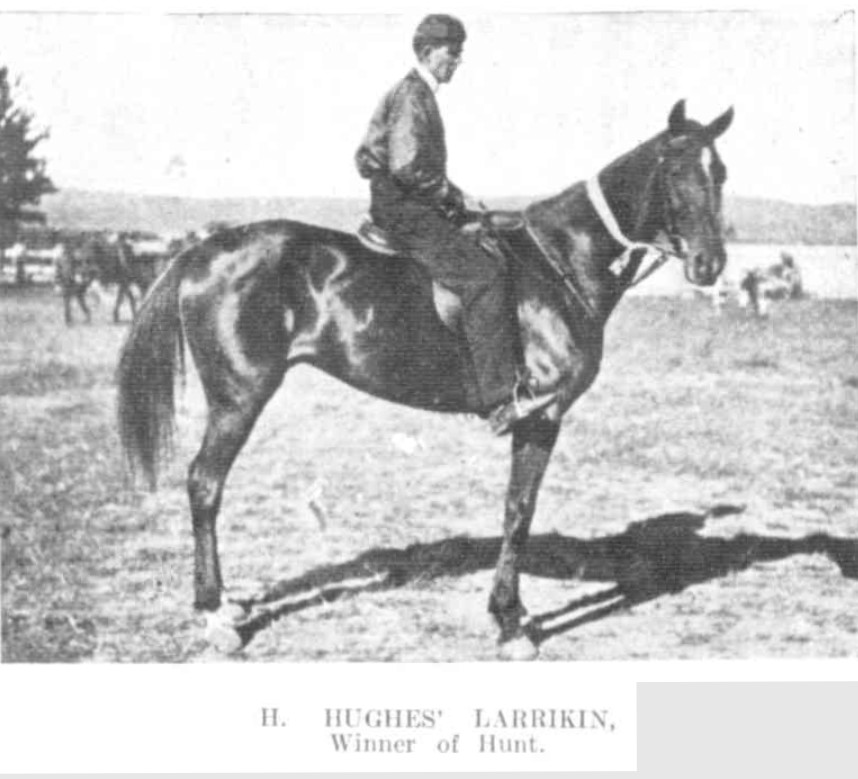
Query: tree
{"x": 23, "y": 180}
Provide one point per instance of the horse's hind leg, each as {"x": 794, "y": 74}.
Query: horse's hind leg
{"x": 232, "y": 414}
{"x": 532, "y": 444}
{"x": 123, "y": 291}
{"x": 133, "y": 301}
{"x": 81, "y": 299}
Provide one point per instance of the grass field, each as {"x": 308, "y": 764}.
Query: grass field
{"x": 700, "y": 504}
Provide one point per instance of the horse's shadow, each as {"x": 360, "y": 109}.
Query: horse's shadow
{"x": 653, "y": 557}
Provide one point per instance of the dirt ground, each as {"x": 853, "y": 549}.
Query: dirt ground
{"x": 700, "y": 504}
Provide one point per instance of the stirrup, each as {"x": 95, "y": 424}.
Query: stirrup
{"x": 525, "y": 386}
{"x": 526, "y": 401}
{"x": 502, "y": 419}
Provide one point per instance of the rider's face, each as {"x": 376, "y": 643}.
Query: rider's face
{"x": 442, "y": 62}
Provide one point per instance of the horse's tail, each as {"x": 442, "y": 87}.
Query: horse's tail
{"x": 150, "y": 358}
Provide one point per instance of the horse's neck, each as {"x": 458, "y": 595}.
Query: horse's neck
{"x": 569, "y": 226}
{"x": 628, "y": 186}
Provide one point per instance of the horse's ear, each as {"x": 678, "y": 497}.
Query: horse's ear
{"x": 676, "y": 120}
{"x": 719, "y": 125}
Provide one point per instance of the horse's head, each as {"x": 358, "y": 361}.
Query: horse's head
{"x": 692, "y": 176}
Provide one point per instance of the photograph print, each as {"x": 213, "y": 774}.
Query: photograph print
{"x": 447, "y": 336}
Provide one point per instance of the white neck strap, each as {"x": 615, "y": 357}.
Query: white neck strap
{"x": 597, "y": 198}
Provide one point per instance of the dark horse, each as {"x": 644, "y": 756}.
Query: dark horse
{"x": 253, "y": 301}
{"x": 108, "y": 263}
{"x": 116, "y": 264}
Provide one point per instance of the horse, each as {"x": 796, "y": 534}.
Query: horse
{"x": 255, "y": 300}
{"x": 74, "y": 274}
{"x": 116, "y": 264}
{"x": 759, "y": 287}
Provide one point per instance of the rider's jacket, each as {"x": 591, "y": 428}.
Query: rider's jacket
{"x": 405, "y": 142}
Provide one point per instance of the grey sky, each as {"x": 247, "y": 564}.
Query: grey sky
{"x": 275, "y": 105}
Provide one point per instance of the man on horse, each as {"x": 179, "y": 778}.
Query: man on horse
{"x": 404, "y": 156}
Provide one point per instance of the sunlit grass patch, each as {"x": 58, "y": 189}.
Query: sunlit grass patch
{"x": 53, "y": 376}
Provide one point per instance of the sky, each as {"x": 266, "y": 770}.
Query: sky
{"x": 275, "y": 104}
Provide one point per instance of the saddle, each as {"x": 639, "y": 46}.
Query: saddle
{"x": 483, "y": 228}
{"x": 379, "y": 240}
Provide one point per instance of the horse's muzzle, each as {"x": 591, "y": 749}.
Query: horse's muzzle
{"x": 702, "y": 269}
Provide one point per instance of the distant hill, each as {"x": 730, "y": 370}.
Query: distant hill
{"x": 749, "y": 220}
{"x": 81, "y": 209}
{"x": 758, "y": 220}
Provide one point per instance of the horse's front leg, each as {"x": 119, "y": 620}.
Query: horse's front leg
{"x": 532, "y": 443}
{"x": 133, "y": 301}
{"x": 123, "y": 291}
{"x": 81, "y": 299}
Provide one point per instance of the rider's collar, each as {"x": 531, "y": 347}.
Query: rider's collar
{"x": 427, "y": 76}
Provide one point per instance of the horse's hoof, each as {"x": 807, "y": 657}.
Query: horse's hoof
{"x": 231, "y": 612}
{"x": 224, "y": 640}
{"x": 222, "y": 628}
{"x": 519, "y": 649}
{"x": 222, "y": 635}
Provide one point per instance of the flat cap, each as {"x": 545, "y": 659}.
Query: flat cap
{"x": 438, "y": 30}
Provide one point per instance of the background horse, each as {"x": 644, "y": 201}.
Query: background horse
{"x": 760, "y": 286}
{"x": 253, "y": 301}
{"x": 74, "y": 274}
{"x": 115, "y": 263}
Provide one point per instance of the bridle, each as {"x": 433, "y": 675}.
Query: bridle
{"x": 654, "y": 255}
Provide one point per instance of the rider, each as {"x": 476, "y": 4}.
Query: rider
{"x": 405, "y": 157}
